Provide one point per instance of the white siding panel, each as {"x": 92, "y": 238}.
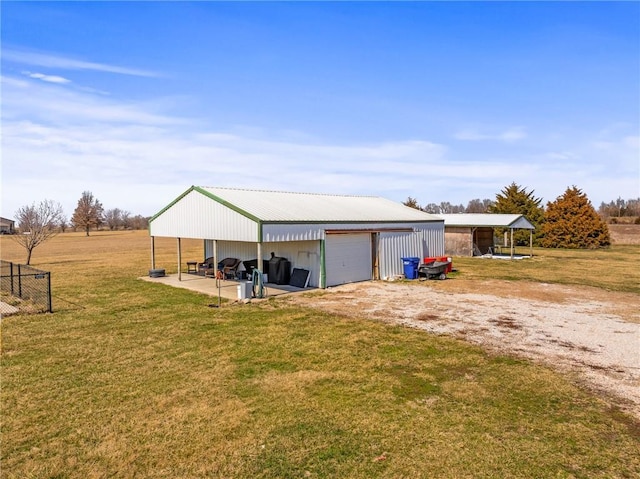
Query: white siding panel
{"x": 197, "y": 216}
{"x": 315, "y": 231}
{"x": 292, "y": 232}
{"x": 348, "y": 258}
{"x": 428, "y": 241}
{"x": 301, "y": 254}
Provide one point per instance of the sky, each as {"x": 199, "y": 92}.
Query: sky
{"x": 438, "y": 101}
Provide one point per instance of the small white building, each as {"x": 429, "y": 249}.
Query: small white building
{"x": 338, "y": 238}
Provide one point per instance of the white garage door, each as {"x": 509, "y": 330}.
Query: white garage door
{"x": 347, "y": 258}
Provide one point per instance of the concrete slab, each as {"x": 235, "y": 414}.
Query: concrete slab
{"x": 6, "y": 309}
{"x": 209, "y": 286}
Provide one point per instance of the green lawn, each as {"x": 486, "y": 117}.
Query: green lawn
{"x": 613, "y": 269}
{"x": 132, "y": 379}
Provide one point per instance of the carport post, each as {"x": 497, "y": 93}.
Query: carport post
{"x": 153, "y": 252}
{"x": 531, "y": 243}
{"x": 179, "y": 261}
{"x": 215, "y": 255}
{"x": 260, "y": 265}
{"x": 511, "y": 243}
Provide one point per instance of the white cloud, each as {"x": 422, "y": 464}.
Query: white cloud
{"x": 49, "y": 104}
{"x": 47, "y": 78}
{"x": 49, "y": 60}
{"x": 60, "y": 142}
{"x": 509, "y": 135}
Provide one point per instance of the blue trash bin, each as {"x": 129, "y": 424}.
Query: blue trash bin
{"x": 410, "y": 267}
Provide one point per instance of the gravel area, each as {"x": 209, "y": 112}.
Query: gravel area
{"x": 593, "y": 333}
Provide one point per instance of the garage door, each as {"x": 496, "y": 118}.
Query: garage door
{"x": 347, "y": 258}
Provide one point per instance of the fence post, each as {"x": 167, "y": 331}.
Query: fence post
{"x": 11, "y": 269}
{"x": 19, "y": 282}
{"x": 49, "y": 290}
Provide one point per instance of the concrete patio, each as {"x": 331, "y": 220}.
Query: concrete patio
{"x": 228, "y": 288}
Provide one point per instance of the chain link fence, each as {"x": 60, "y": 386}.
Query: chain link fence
{"x": 32, "y": 286}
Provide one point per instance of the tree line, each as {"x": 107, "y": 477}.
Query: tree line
{"x": 570, "y": 221}
{"x": 620, "y": 209}
{"x": 39, "y": 222}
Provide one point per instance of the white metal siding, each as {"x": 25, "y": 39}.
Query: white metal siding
{"x": 428, "y": 241}
{"x": 348, "y": 258}
{"x": 197, "y": 216}
{"x": 301, "y": 254}
{"x": 316, "y": 231}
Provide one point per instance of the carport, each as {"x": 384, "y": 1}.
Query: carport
{"x": 473, "y": 234}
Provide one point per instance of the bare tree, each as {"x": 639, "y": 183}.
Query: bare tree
{"x": 478, "y": 206}
{"x": 37, "y": 223}
{"x": 64, "y": 223}
{"x": 125, "y": 219}
{"x": 88, "y": 213}
{"x": 139, "y": 222}
{"x": 113, "y": 218}
{"x": 432, "y": 208}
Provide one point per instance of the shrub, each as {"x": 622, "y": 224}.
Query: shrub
{"x": 572, "y": 222}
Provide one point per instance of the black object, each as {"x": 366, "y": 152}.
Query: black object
{"x": 279, "y": 270}
{"x": 156, "y": 273}
{"x": 433, "y": 270}
{"x": 299, "y": 278}
{"x": 252, "y": 264}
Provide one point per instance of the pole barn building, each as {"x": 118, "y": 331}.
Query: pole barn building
{"x": 339, "y": 239}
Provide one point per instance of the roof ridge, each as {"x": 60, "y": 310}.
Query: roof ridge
{"x": 288, "y": 192}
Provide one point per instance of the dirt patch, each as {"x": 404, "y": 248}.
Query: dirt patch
{"x": 587, "y": 331}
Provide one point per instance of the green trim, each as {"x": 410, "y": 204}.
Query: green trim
{"x": 171, "y": 204}
{"x": 323, "y": 266}
{"x": 346, "y": 222}
{"x": 217, "y": 200}
{"x": 231, "y": 206}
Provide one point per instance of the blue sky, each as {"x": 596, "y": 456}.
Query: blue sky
{"x": 441, "y": 101}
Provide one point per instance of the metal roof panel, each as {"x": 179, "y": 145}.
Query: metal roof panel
{"x": 290, "y": 207}
{"x": 491, "y": 220}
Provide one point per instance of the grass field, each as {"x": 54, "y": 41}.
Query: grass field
{"x": 132, "y": 379}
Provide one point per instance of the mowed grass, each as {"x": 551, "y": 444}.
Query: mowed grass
{"x": 133, "y": 379}
{"x": 613, "y": 269}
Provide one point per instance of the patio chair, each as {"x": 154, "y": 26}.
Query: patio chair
{"x": 206, "y": 267}
{"x": 229, "y": 267}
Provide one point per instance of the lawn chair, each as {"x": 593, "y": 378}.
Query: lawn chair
{"x": 229, "y": 267}
{"x": 206, "y": 267}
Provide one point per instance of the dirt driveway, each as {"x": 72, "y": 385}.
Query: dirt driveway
{"x": 587, "y": 331}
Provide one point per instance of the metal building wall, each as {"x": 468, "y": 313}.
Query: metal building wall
{"x": 197, "y": 216}
{"x": 428, "y": 240}
{"x": 301, "y": 254}
{"x": 315, "y": 231}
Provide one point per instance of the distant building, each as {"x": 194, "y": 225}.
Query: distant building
{"x": 472, "y": 234}
{"x": 7, "y": 227}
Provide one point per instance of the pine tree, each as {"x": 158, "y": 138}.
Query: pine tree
{"x": 517, "y": 200}
{"x": 411, "y": 203}
{"x": 572, "y": 222}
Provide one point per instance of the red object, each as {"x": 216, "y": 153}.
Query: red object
{"x": 440, "y": 258}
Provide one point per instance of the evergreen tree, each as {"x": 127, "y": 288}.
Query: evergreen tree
{"x": 572, "y": 222}
{"x": 517, "y": 200}
{"x": 88, "y": 213}
{"x": 411, "y": 203}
